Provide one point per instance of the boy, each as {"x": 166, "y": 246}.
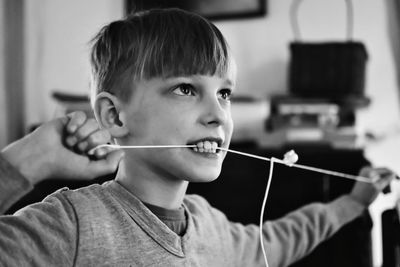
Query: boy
{"x": 161, "y": 77}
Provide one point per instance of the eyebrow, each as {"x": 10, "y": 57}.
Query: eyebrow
{"x": 230, "y": 82}
{"x": 173, "y": 79}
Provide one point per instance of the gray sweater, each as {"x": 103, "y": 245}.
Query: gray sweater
{"x": 105, "y": 225}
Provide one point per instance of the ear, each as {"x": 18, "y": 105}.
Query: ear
{"x": 110, "y": 115}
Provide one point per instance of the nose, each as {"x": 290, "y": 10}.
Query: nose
{"x": 214, "y": 113}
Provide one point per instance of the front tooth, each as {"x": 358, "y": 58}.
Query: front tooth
{"x": 214, "y": 146}
{"x": 207, "y": 145}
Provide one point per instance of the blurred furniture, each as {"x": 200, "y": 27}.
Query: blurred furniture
{"x": 391, "y": 238}
{"x": 68, "y": 102}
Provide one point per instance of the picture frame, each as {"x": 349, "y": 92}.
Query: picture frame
{"x": 210, "y": 9}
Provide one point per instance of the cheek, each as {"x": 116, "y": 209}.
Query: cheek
{"x": 164, "y": 124}
{"x": 138, "y": 125}
{"x": 229, "y": 126}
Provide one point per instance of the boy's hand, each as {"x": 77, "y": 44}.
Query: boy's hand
{"x": 366, "y": 193}
{"x": 45, "y": 154}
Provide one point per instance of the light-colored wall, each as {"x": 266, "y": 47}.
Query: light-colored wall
{"x": 57, "y": 34}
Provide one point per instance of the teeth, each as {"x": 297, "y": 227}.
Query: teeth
{"x": 206, "y": 147}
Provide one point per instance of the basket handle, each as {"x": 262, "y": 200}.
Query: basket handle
{"x": 295, "y": 23}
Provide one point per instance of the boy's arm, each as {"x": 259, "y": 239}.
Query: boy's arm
{"x": 56, "y": 150}
{"x": 295, "y": 235}
{"x": 42, "y": 234}
{"x": 13, "y": 185}
{"x": 46, "y": 233}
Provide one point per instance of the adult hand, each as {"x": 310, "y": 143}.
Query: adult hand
{"x": 366, "y": 193}
{"x": 57, "y": 149}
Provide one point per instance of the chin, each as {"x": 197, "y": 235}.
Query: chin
{"x": 204, "y": 177}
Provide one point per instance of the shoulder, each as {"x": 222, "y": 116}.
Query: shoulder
{"x": 86, "y": 198}
{"x": 196, "y": 202}
{"x": 199, "y": 207}
{"x": 87, "y": 192}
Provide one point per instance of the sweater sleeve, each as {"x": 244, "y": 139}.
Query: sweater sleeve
{"x": 295, "y": 235}
{"x": 42, "y": 234}
{"x": 13, "y": 185}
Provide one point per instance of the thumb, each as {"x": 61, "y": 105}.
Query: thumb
{"x": 113, "y": 158}
{"x": 107, "y": 165}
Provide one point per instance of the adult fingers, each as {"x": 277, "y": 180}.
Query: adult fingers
{"x": 385, "y": 176}
{"x": 82, "y": 133}
{"x": 380, "y": 177}
{"x": 76, "y": 120}
{"x": 99, "y": 137}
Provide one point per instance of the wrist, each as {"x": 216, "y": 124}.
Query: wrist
{"x": 27, "y": 161}
{"x": 360, "y": 200}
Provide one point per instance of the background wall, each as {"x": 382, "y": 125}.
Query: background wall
{"x": 57, "y": 37}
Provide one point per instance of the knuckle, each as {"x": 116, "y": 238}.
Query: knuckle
{"x": 79, "y": 117}
{"x": 94, "y": 138}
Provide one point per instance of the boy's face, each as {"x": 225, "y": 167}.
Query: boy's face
{"x": 188, "y": 110}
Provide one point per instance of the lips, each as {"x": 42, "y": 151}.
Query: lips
{"x": 207, "y": 145}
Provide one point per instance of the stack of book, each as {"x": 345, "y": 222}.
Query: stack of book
{"x": 310, "y": 121}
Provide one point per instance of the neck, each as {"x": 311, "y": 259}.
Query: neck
{"x": 150, "y": 188}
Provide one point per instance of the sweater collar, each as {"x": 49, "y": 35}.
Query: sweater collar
{"x": 149, "y": 222}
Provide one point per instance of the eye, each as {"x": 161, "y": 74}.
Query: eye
{"x": 225, "y": 94}
{"x": 184, "y": 89}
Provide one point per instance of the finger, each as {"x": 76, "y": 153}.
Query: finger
{"x": 99, "y": 137}
{"x": 76, "y": 120}
{"x": 385, "y": 179}
{"x": 380, "y": 177}
{"x": 88, "y": 128}
{"x": 376, "y": 174}
{"x": 367, "y": 172}
{"x": 102, "y": 152}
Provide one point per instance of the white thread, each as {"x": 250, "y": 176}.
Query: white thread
{"x": 91, "y": 151}
{"x": 334, "y": 173}
{"x": 271, "y": 170}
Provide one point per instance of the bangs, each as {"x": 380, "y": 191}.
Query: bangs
{"x": 193, "y": 49}
{"x": 181, "y": 46}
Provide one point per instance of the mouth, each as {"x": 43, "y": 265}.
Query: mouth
{"x": 207, "y": 145}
